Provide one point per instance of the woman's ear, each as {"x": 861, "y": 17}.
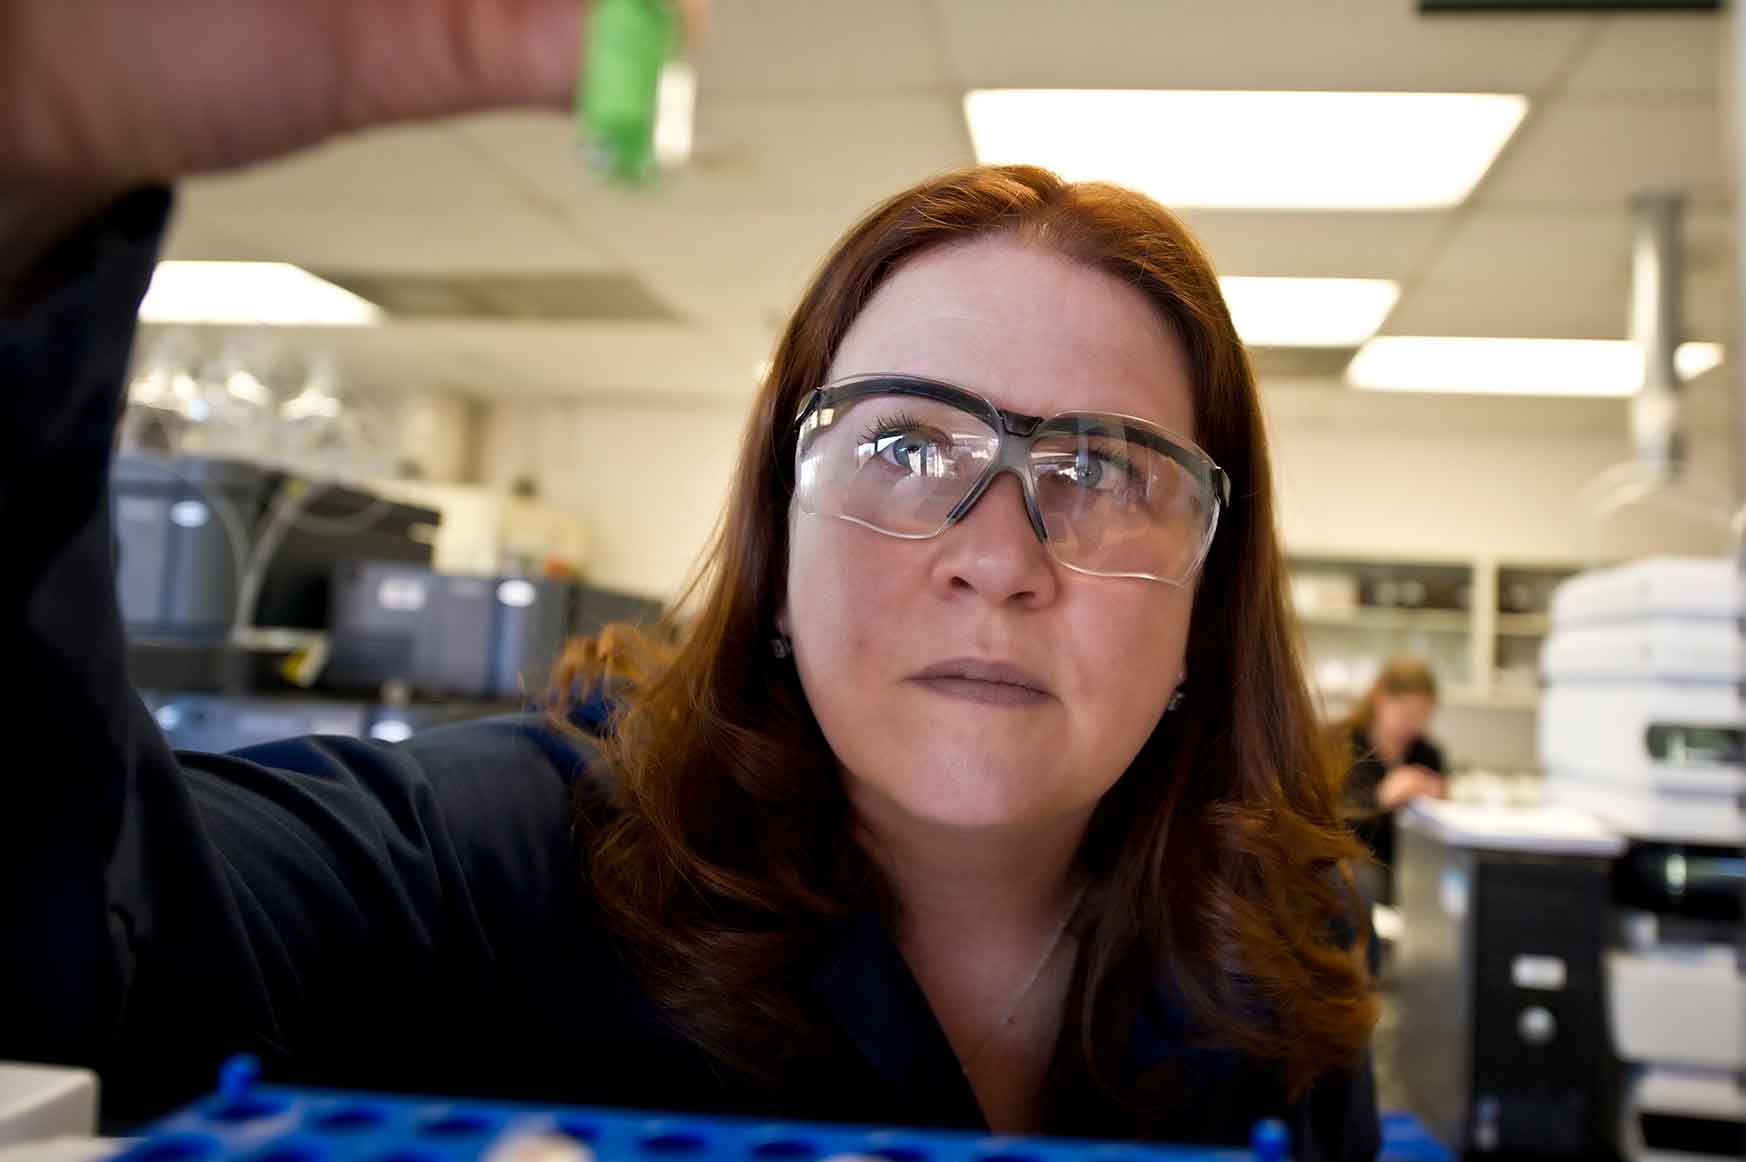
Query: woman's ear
{"x": 781, "y": 645}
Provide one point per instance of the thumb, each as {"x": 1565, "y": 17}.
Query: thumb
{"x": 461, "y": 55}
{"x": 483, "y": 53}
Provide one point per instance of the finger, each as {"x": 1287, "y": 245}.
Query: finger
{"x": 695, "y": 15}
{"x": 423, "y": 58}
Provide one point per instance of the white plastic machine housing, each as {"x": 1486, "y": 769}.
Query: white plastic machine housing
{"x": 1678, "y": 1005}
{"x": 39, "y": 1102}
{"x": 1645, "y": 672}
{"x": 1594, "y": 746}
{"x": 1680, "y": 1093}
{"x": 1547, "y": 829}
{"x": 1653, "y": 644}
{"x": 1659, "y": 649}
{"x": 1701, "y": 588}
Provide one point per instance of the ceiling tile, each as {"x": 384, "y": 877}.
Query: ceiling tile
{"x": 1563, "y": 274}
{"x": 827, "y": 48}
{"x": 1432, "y": 309}
{"x": 811, "y": 155}
{"x": 393, "y": 240}
{"x": 197, "y": 236}
{"x": 1638, "y": 53}
{"x": 1598, "y": 152}
{"x": 1254, "y": 44}
{"x": 1591, "y": 313}
{"x": 1308, "y": 245}
{"x": 401, "y": 167}
{"x": 645, "y": 361}
{"x": 735, "y": 236}
{"x": 742, "y": 268}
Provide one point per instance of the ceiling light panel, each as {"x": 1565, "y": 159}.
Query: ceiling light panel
{"x": 251, "y": 293}
{"x": 1308, "y": 312}
{"x": 1253, "y": 150}
{"x": 1492, "y": 366}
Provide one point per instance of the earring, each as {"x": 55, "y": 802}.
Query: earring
{"x": 1176, "y": 699}
{"x": 780, "y": 646}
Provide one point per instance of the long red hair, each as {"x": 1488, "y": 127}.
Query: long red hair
{"x": 1218, "y": 857}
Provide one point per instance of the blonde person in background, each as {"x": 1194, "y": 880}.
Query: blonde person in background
{"x": 1393, "y": 762}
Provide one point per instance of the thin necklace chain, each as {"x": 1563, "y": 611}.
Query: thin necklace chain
{"x": 1012, "y": 1007}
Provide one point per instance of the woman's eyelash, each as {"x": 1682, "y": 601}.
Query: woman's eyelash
{"x": 1120, "y": 462}
{"x": 888, "y": 426}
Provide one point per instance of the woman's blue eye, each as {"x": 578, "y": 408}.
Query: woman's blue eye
{"x": 1103, "y": 471}
{"x": 904, "y": 452}
{"x": 914, "y": 448}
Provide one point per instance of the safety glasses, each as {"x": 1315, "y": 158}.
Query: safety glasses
{"x": 1109, "y": 495}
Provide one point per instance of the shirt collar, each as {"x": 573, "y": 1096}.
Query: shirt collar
{"x": 868, "y": 990}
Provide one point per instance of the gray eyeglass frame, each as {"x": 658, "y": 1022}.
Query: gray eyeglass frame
{"x": 1018, "y": 434}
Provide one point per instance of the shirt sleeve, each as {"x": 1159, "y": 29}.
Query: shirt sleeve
{"x": 310, "y": 901}
{"x": 1429, "y": 755}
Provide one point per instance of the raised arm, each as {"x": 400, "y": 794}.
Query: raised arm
{"x": 157, "y": 911}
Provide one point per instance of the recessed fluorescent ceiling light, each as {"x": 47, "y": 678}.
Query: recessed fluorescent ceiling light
{"x": 1253, "y": 150}
{"x": 1598, "y": 367}
{"x": 244, "y": 293}
{"x": 1308, "y": 312}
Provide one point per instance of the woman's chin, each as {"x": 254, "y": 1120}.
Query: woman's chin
{"x": 980, "y": 802}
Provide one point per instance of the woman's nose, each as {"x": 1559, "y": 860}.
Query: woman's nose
{"x": 994, "y": 550}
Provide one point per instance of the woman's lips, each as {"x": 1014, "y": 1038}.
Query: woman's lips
{"x": 987, "y": 693}
{"x": 992, "y": 683}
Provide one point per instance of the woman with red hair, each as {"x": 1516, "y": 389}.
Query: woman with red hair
{"x": 980, "y": 786}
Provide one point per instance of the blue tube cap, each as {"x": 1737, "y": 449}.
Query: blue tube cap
{"x": 1270, "y": 1141}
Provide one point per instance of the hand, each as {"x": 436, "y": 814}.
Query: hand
{"x": 97, "y": 96}
{"x": 1408, "y": 782}
{"x": 110, "y": 93}
{"x": 114, "y": 92}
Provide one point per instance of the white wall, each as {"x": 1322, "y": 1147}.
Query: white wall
{"x": 648, "y": 481}
{"x": 1369, "y": 474}
{"x": 437, "y": 432}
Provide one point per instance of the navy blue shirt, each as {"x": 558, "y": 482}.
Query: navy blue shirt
{"x": 404, "y": 917}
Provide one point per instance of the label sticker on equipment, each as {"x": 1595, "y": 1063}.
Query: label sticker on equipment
{"x": 1545, "y": 973}
{"x": 403, "y": 594}
{"x": 1452, "y": 892}
{"x": 189, "y": 514}
{"x": 517, "y": 593}
{"x": 391, "y": 730}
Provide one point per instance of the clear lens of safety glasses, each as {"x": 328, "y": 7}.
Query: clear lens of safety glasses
{"x": 1109, "y": 495}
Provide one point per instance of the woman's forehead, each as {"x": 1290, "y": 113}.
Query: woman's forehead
{"x": 1032, "y": 331}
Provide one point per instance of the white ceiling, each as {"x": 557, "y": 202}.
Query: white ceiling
{"x": 811, "y": 110}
